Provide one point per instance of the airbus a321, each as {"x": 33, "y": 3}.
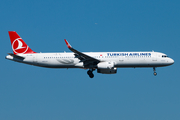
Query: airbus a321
{"x": 103, "y": 62}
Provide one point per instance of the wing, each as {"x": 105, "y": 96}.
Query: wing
{"x": 86, "y": 59}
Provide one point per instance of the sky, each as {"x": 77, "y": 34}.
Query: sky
{"x": 35, "y": 93}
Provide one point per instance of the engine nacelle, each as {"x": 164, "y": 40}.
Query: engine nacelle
{"x": 105, "y": 65}
{"x": 107, "y": 71}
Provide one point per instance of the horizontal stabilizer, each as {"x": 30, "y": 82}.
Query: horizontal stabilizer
{"x": 16, "y": 56}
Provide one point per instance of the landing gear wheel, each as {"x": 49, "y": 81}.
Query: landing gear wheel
{"x": 154, "y": 69}
{"x": 155, "y": 73}
{"x": 89, "y": 72}
{"x": 91, "y": 75}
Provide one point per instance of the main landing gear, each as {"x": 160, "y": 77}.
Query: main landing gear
{"x": 155, "y": 73}
{"x": 90, "y": 73}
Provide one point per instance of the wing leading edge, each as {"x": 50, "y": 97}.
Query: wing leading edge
{"x": 86, "y": 59}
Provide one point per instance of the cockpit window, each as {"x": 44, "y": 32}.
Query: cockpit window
{"x": 164, "y": 56}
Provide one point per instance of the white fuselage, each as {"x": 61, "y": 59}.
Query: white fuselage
{"x": 120, "y": 59}
{"x": 103, "y": 62}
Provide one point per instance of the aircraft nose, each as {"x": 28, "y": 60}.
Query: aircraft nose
{"x": 171, "y": 61}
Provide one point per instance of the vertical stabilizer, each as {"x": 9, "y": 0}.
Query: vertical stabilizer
{"x": 18, "y": 45}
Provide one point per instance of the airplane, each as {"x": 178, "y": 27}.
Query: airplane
{"x": 103, "y": 62}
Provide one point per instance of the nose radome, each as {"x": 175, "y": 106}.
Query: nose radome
{"x": 171, "y": 61}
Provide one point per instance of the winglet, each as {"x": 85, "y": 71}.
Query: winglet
{"x": 68, "y": 45}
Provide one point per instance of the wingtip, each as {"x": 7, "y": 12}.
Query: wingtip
{"x": 68, "y": 45}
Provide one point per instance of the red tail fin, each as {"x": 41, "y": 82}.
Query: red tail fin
{"x": 18, "y": 45}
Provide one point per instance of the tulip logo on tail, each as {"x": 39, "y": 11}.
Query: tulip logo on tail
{"x": 19, "y": 46}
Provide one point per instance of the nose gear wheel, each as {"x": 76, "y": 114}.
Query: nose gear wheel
{"x": 155, "y": 73}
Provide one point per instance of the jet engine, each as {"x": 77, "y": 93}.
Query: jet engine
{"x": 105, "y": 65}
{"x": 106, "y": 68}
{"x": 107, "y": 71}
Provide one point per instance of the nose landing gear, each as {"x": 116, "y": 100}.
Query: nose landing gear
{"x": 155, "y": 73}
{"x": 90, "y": 73}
